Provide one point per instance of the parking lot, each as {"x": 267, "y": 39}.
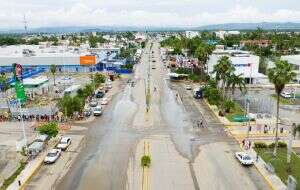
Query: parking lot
{"x": 49, "y": 174}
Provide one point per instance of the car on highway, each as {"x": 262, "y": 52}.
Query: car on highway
{"x": 100, "y": 94}
{"x": 52, "y": 156}
{"x": 93, "y": 103}
{"x": 286, "y": 94}
{"x": 153, "y": 61}
{"x": 153, "y": 67}
{"x": 244, "y": 158}
{"x": 104, "y": 101}
{"x": 64, "y": 143}
{"x": 98, "y": 111}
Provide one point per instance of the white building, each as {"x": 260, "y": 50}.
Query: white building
{"x": 243, "y": 62}
{"x": 191, "y": 34}
{"x": 295, "y": 61}
{"x": 221, "y": 34}
{"x": 67, "y": 59}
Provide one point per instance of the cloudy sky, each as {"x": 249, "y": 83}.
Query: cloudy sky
{"x": 41, "y": 13}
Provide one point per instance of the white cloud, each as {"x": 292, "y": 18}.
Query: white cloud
{"x": 138, "y": 13}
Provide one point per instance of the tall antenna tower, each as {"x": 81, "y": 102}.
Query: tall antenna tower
{"x": 25, "y": 23}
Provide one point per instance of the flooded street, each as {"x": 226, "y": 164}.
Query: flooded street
{"x": 110, "y": 159}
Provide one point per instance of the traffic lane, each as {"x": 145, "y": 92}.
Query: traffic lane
{"x": 48, "y": 174}
{"x": 217, "y": 168}
{"x": 218, "y": 158}
{"x": 97, "y": 165}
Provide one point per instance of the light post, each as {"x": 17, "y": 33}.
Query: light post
{"x": 22, "y": 124}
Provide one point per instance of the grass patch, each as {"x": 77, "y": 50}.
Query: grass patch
{"x": 236, "y": 110}
{"x": 146, "y": 161}
{"x": 12, "y": 178}
{"x": 280, "y": 163}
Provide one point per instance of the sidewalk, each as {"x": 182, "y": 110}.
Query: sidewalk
{"x": 30, "y": 168}
{"x": 239, "y": 133}
{"x": 273, "y": 180}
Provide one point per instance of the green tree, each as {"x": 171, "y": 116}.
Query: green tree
{"x": 236, "y": 81}
{"x": 53, "y": 71}
{"x": 50, "y": 129}
{"x": 4, "y": 86}
{"x": 223, "y": 70}
{"x": 93, "y": 41}
{"x": 280, "y": 75}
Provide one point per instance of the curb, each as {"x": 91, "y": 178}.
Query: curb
{"x": 226, "y": 126}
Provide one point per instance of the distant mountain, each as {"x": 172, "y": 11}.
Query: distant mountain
{"x": 252, "y": 26}
{"x": 226, "y": 26}
{"x": 76, "y": 29}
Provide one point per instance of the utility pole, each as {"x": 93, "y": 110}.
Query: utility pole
{"x": 22, "y": 124}
{"x": 290, "y": 143}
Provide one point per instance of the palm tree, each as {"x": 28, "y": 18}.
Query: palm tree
{"x": 53, "y": 71}
{"x": 236, "y": 80}
{"x": 223, "y": 70}
{"x": 280, "y": 75}
{"x": 4, "y": 86}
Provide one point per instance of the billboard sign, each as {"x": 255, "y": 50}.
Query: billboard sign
{"x": 88, "y": 60}
{"x": 18, "y": 76}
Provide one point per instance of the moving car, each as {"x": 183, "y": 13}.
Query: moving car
{"x": 64, "y": 143}
{"x": 98, "y": 111}
{"x": 286, "y": 94}
{"x": 52, "y": 156}
{"x": 104, "y": 101}
{"x": 100, "y": 94}
{"x": 153, "y": 67}
{"x": 244, "y": 158}
{"x": 93, "y": 103}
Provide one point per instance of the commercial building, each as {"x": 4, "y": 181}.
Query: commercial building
{"x": 294, "y": 60}
{"x": 244, "y": 63}
{"x": 66, "y": 58}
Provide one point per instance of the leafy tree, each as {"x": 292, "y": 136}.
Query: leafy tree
{"x": 99, "y": 78}
{"x": 236, "y": 80}
{"x": 280, "y": 75}
{"x": 4, "y": 85}
{"x": 93, "y": 41}
{"x": 53, "y": 71}
{"x": 50, "y": 129}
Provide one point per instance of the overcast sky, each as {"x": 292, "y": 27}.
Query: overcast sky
{"x": 41, "y": 13}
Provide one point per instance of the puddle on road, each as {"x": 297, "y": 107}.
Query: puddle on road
{"x": 176, "y": 118}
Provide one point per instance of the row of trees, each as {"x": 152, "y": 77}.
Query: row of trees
{"x": 217, "y": 89}
{"x": 195, "y": 47}
{"x": 70, "y": 104}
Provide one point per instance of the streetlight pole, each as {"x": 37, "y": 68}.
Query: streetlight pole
{"x": 22, "y": 124}
{"x": 290, "y": 143}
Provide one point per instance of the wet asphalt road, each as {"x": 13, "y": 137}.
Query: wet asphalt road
{"x": 112, "y": 138}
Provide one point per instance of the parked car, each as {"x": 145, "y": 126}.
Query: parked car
{"x": 286, "y": 94}
{"x": 244, "y": 158}
{"x": 153, "y": 67}
{"x": 52, "y": 156}
{"x": 93, "y": 103}
{"x": 87, "y": 112}
{"x": 104, "y": 101}
{"x": 64, "y": 143}
{"x": 98, "y": 111}
{"x": 100, "y": 94}
{"x": 188, "y": 87}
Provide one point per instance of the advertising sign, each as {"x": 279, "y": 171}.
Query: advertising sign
{"x": 18, "y": 76}
{"x": 88, "y": 60}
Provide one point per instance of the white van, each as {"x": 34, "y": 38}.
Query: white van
{"x": 98, "y": 111}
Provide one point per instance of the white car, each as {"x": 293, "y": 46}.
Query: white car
{"x": 98, "y": 111}
{"x": 188, "y": 87}
{"x": 244, "y": 158}
{"x": 52, "y": 156}
{"x": 286, "y": 94}
{"x": 64, "y": 143}
{"x": 104, "y": 101}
